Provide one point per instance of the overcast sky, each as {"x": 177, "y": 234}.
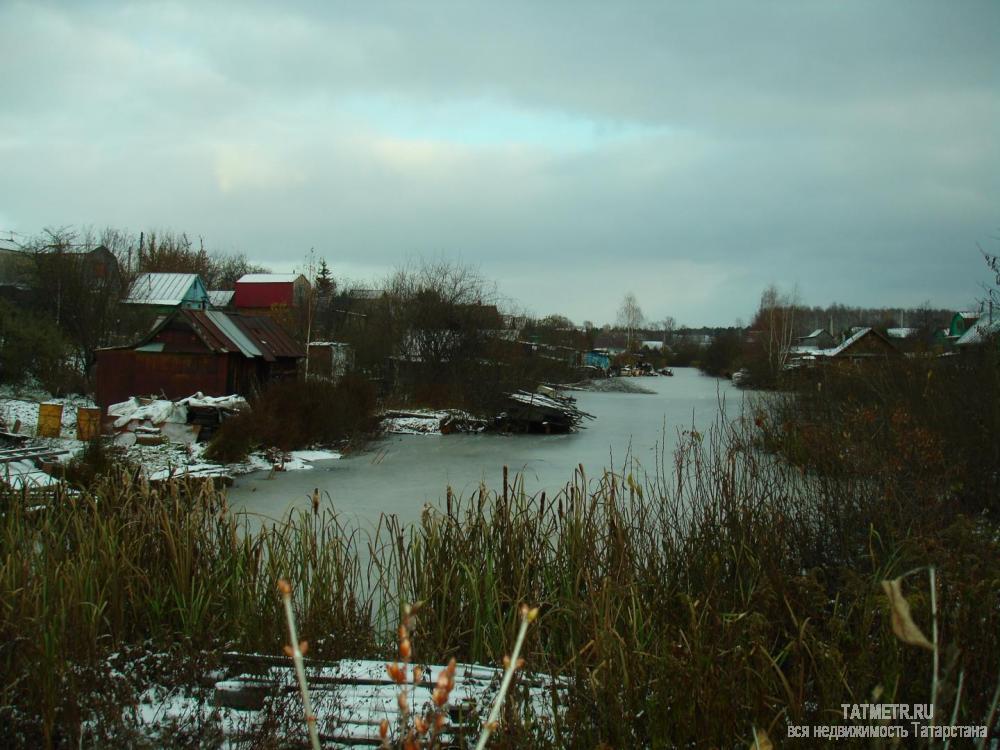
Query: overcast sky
{"x": 691, "y": 153}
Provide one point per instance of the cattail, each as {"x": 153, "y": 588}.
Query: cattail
{"x": 396, "y": 672}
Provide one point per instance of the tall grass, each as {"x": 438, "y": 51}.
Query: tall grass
{"x": 725, "y": 588}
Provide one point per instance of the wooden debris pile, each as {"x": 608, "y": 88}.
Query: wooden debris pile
{"x": 148, "y": 421}
{"x": 352, "y": 697}
{"x": 546, "y": 412}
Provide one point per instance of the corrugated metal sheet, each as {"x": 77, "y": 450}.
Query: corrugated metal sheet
{"x": 161, "y": 288}
{"x": 269, "y": 336}
{"x": 233, "y": 332}
{"x": 220, "y": 297}
{"x": 268, "y": 278}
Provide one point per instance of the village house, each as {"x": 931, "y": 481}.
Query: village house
{"x": 19, "y": 268}
{"x": 961, "y": 322}
{"x": 260, "y": 292}
{"x": 190, "y": 350}
{"x": 818, "y": 339}
{"x": 164, "y": 292}
{"x": 864, "y": 343}
{"x": 986, "y": 328}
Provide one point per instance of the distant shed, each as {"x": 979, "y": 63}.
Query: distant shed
{"x": 257, "y": 291}
{"x": 210, "y": 351}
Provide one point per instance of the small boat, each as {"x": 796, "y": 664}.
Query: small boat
{"x": 666, "y": 371}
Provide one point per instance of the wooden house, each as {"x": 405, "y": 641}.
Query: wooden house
{"x": 818, "y": 339}
{"x": 188, "y": 351}
{"x": 961, "y": 322}
{"x": 866, "y": 343}
{"x": 985, "y": 329}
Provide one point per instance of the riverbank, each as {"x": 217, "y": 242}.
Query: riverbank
{"x": 733, "y": 577}
{"x": 737, "y": 581}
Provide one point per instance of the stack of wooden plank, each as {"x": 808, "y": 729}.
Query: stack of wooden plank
{"x": 352, "y": 697}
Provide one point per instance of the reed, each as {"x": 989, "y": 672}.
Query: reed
{"x": 725, "y": 588}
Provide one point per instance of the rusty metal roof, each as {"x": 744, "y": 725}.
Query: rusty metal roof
{"x": 269, "y": 336}
{"x": 226, "y": 333}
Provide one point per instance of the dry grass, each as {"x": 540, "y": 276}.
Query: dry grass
{"x": 724, "y": 589}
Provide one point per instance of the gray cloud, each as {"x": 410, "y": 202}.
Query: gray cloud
{"x": 692, "y": 153}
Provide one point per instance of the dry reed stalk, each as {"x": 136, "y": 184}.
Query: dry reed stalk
{"x": 295, "y": 650}
{"x": 511, "y": 663}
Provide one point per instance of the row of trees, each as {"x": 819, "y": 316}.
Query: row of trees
{"x": 763, "y": 347}
{"x": 63, "y": 290}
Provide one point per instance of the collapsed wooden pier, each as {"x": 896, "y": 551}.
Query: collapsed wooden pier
{"x": 546, "y": 412}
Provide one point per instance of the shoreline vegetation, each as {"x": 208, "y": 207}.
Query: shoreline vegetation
{"x": 729, "y": 591}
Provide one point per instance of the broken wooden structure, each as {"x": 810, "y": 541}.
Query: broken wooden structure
{"x": 548, "y": 412}
{"x": 31, "y": 471}
{"x": 352, "y": 697}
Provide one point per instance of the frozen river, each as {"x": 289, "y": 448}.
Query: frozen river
{"x": 399, "y": 473}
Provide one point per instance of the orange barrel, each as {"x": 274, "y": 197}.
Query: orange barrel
{"x": 88, "y": 422}
{"x": 49, "y": 420}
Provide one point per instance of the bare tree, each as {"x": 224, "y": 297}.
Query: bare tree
{"x": 630, "y": 317}
{"x": 775, "y": 327}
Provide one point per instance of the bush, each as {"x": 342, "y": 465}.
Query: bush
{"x": 295, "y": 414}
{"x": 925, "y": 428}
{"x": 30, "y": 347}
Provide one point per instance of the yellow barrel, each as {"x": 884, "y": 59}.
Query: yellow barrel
{"x": 49, "y": 420}
{"x": 88, "y": 422}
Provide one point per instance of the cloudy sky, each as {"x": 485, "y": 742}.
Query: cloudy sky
{"x": 691, "y": 153}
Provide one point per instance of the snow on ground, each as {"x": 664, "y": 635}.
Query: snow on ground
{"x": 21, "y": 474}
{"x": 173, "y": 460}
{"x": 349, "y": 698}
{"x": 314, "y": 455}
{"x": 425, "y": 423}
{"x": 430, "y": 422}
{"x": 160, "y": 461}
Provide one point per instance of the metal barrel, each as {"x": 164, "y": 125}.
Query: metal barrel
{"x": 88, "y": 423}
{"x": 49, "y": 420}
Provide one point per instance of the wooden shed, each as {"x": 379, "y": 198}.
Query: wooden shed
{"x": 262, "y": 291}
{"x": 188, "y": 351}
